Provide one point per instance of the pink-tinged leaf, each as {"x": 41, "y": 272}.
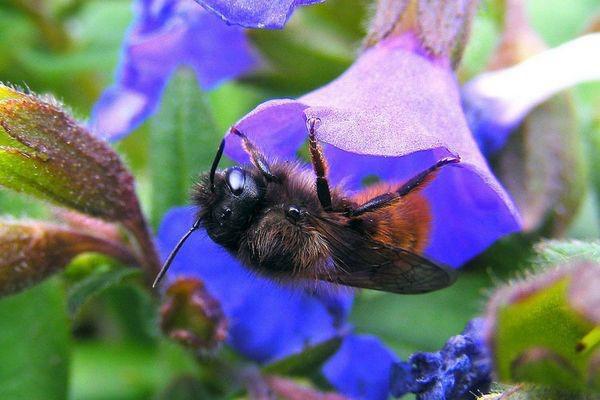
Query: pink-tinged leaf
{"x": 33, "y": 251}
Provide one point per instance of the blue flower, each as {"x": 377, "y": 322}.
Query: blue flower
{"x": 361, "y": 368}
{"x": 496, "y": 102}
{"x": 267, "y": 321}
{"x": 165, "y": 35}
{"x": 462, "y": 368}
{"x": 270, "y": 14}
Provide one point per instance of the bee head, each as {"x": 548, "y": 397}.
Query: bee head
{"x": 227, "y": 201}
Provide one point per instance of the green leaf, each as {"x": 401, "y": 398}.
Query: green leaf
{"x": 594, "y": 153}
{"x": 126, "y": 370}
{"x": 559, "y": 251}
{"x": 185, "y": 388}
{"x": 318, "y": 44}
{"x": 91, "y": 286}
{"x": 17, "y": 205}
{"x": 34, "y": 361}
{"x": 306, "y": 362}
{"x": 546, "y": 328}
{"x": 532, "y": 392}
{"x": 183, "y": 141}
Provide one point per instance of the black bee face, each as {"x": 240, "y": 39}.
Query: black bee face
{"x": 228, "y": 208}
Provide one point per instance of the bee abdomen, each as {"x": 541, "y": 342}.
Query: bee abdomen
{"x": 406, "y": 223}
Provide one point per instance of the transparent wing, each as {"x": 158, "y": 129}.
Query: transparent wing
{"x": 362, "y": 262}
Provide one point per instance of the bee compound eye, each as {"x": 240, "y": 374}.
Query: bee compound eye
{"x": 293, "y": 213}
{"x": 236, "y": 178}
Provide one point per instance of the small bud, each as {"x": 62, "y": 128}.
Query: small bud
{"x": 45, "y": 153}
{"x": 191, "y": 316}
{"x": 542, "y": 162}
{"x": 518, "y": 41}
{"x": 544, "y": 329}
{"x": 32, "y": 251}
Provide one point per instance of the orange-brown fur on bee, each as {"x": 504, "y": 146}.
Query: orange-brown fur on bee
{"x": 404, "y": 224}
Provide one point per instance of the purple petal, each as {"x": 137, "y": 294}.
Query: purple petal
{"x": 361, "y": 368}
{"x": 267, "y": 321}
{"x": 496, "y": 102}
{"x": 269, "y": 14}
{"x": 393, "y": 114}
{"x": 168, "y": 34}
{"x": 280, "y": 125}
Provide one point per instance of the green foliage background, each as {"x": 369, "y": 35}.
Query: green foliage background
{"x": 108, "y": 347}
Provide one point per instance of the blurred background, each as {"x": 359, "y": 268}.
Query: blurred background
{"x": 71, "y": 48}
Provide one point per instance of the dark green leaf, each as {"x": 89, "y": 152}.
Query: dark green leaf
{"x": 184, "y": 388}
{"x": 95, "y": 284}
{"x": 183, "y": 141}
{"x": 307, "y": 362}
{"x": 504, "y": 257}
{"x": 34, "y": 361}
{"x": 135, "y": 311}
{"x": 318, "y": 44}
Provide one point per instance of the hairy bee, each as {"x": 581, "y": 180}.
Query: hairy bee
{"x": 285, "y": 222}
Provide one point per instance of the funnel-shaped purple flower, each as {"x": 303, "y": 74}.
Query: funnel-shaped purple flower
{"x": 497, "y": 102}
{"x": 168, "y": 34}
{"x": 395, "y": 112}
{"x": 270, "y": 14}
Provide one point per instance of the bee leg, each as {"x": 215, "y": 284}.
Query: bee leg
{"x": 416, "y": 182}
{"x": 257, "y": 158}
{"x": 319, "y": 163}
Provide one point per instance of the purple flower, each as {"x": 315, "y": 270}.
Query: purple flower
{"x": 267, "y": 321}
{"x": 270, "y": 14}
{"x": 462, "y": 368}
{"x": 496, "y": 102}
{"x": 361, "y": 368}
{"x": 395, "y": 112}
{"x": 165, "y": 35}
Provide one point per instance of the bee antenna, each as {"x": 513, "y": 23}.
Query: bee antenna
{"x": 215, "y": 164}
{"x": 174, "y": 252}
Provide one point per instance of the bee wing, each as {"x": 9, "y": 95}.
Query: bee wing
{"x": 362, "y": 262}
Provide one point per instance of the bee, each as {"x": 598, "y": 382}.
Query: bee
{"x": 286, "y": 222}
